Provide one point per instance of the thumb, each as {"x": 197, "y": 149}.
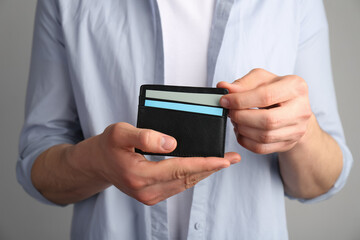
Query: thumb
{"x": 154, "y": 142}
{"x": 126, "y": 136}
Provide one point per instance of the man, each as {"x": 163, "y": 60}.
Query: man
{"x": 89, "y": 60}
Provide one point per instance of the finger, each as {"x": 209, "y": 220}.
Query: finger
{"x": 253, "y": 79}
{"x": 262, "y": 119}
{"x": 264, "y": 148}
{"x": 286, "y": 114}
{"x": 266, "y": 95}
{"x": 160, "y": 187}
{"x": 176, "y": 186}
{"x": 233, "y": 157}
{"x": 287, "y": 134}
{"x": 127, "y": 136}
{"x": 180, "y": 168}
{"x": 163, "y": 190}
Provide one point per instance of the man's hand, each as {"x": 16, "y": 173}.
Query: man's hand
{"x": 147, "y": 181}
{"x": 269, "y": 113}
{"x": 70, "y": 173}
{"x": 272, "y": 114}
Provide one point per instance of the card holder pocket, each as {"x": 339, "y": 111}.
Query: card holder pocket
{"x": 197, "y": 135}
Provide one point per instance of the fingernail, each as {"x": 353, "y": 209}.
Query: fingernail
{"x": 224, "y": 102}
{"x": 167, "y": 143}
{"x": 235, "y": 160}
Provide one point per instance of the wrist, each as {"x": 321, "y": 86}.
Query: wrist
{"x": 313, "y": 133}
{"x": 86, "y": 158}
{"x": 312, "y": 130}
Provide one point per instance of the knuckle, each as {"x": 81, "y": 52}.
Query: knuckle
{"x": 109, "y": 133}
{"x": 304, "y": 113}
{"x": 260, "y": 149}
{"x": 191, "y": 181}
{"x": 287, "y": 147}
{"x": 299, "y": 135}
{"x": 238, "y": 82}
{"x": 257, "y": 70}
{"x": 144, "y": 137}
{"x": 151, "y": 203}
{"x": 239, "y": 138}
{"x": 307, "y": 113}
{"x": 267, "y": 98}
{"x": 293, "y": 137}
{"x": 179, "y": 173}
{"x": 270, "y": 122}
{"x": 301, "y": 132}
{"x": 146, "y": 197}
{"x": 266, "y": 137}
{"x": 119, "y": 127}
{"x": 300, "y": 84}
{"x": 135, "y": 183}
{"x": 113, "y": 131}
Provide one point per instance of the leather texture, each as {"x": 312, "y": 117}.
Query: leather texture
{"x": 197, "y": 135}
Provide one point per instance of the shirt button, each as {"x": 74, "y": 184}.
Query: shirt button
{"x": 197, "y": 226}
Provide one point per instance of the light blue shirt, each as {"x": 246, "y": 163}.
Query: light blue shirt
{"x": 90, "y": 58}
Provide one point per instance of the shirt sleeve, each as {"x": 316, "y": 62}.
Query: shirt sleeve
{"x": 50, "y": 116}
{"x": 313, "y": 64}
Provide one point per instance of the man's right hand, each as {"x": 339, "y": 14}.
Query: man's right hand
{"x": 109, "y": 159}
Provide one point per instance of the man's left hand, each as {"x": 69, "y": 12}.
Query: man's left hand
{"x": 270, "y": 113}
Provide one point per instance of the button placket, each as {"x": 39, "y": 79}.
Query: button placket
{"x": 197, "y": 226}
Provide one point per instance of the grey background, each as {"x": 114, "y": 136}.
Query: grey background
{"x": 21, "y": 217}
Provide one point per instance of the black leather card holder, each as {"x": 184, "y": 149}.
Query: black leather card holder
{"x": 192, "y": 115}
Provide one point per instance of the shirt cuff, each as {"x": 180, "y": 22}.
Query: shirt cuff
{"x": 25, "y": 163}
